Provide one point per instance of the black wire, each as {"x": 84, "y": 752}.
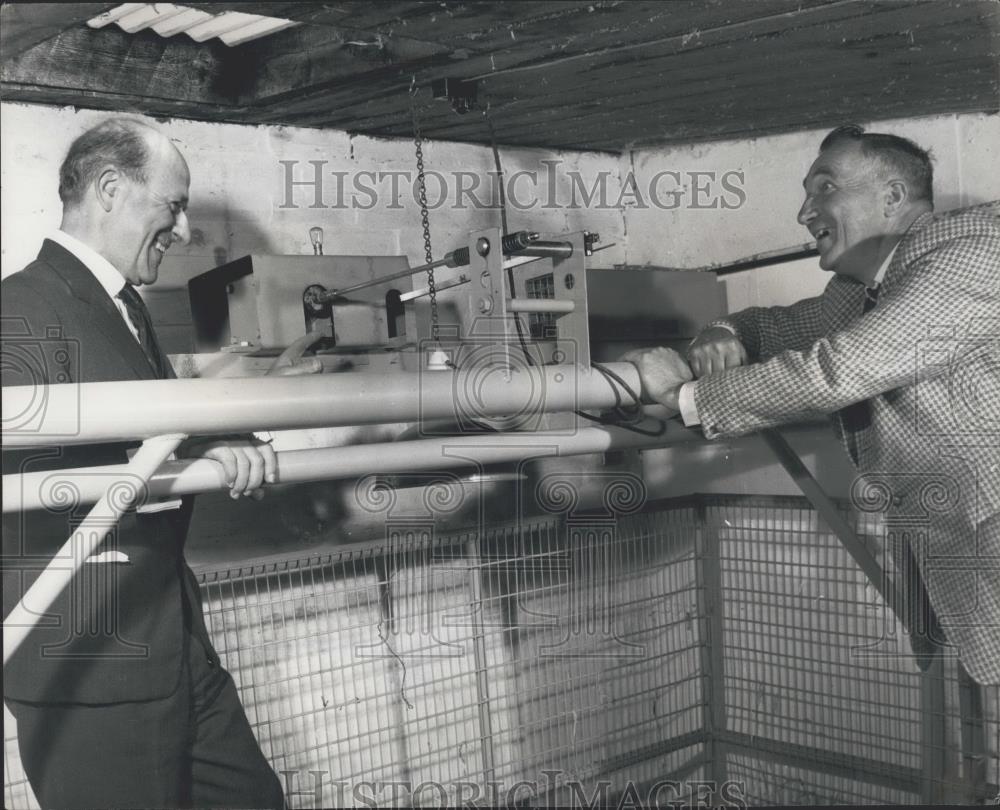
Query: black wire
{"x": 503, "y": 222}
{"x": 496, "y": 160}
{"x": 628, "y": 418}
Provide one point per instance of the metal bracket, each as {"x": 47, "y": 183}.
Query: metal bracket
{"x": 461, "y": 93}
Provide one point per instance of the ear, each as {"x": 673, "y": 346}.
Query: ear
{"x": 896, "y": 197}
{"x": 108, "y": 186}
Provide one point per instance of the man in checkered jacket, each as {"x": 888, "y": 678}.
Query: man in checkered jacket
{"x": 902, "y": 350}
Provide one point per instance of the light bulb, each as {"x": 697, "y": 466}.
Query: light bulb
{"x": 316, "y": 237}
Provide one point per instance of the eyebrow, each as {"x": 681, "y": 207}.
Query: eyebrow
{"x": 822, "y": 170}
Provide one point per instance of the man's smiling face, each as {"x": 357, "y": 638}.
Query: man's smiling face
{"x": 150, "y": 216}
{"x": 844, "y": 208}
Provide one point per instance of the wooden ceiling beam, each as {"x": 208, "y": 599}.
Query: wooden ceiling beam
{"x": 536, "y": 64}
{"x": 598, "y": 74}
{"x": 654, "y": 77}
{"x": 144, "y": 66}
{"x": 283, "y": 66}
{"x": 25, "y": 25}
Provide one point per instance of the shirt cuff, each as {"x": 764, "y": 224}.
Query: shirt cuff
{"x": 688, "y": 408}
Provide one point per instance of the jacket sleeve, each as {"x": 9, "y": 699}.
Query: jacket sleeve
{"x": 768, "y": 331}
{"x": 34, "y": 346}
{"x": 951, "y": 288}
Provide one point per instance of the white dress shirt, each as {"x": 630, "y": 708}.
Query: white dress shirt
{"x": 104, "y": 271}
{"x": 686, "y": 403}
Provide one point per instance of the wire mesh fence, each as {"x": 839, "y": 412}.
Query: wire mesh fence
{"x": 708, "y": 648}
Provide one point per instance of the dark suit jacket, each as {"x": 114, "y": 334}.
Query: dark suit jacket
{"x": 117, "y": 632}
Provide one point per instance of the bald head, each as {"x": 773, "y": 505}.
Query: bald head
{"x": 124, "y": 143}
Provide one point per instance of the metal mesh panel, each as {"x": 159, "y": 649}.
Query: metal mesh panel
{"x": 16, "y": 790}
{"x": 824, "y": 702}
{"x": 548, "y": 656}
{"x": 541, "y": 325}
{"x": 719, "y": 638}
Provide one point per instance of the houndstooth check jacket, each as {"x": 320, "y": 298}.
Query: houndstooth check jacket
{"x": 927, "y": 360}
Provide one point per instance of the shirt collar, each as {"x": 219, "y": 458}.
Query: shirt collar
{"x": 880, "y": 275}
{"x": 104, "y": 271}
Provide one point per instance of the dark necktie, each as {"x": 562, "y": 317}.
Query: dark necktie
{"x": 858, "y": 416}
{"x": 139, "y": 316}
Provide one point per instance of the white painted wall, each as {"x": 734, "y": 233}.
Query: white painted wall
{"x": 238, "y": 190}
{"x": 966, "y": 152}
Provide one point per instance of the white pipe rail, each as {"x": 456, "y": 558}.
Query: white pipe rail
{"x": 114, "y": 500}
{"x": 91, "y": 413}
{"x": 50, "y": 489}
{"x": 540, "y": 305}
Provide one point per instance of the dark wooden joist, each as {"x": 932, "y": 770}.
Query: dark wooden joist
{"x": 25, "y": 25}
{"x": 552, "y": 86}
{"x": 780, "y": 116}
{"x": 843, "y": 64}
{"x": 143, "y": 66}
{"x": 535, "y": 64}
{"x": 432, "y": 20}
{"x": 307, "y": 62}
{"x": 117, "y": 102}
{"x": 537, "y": 44}
{"x": 597, "y": 75}
{"x": 726, "y": 93}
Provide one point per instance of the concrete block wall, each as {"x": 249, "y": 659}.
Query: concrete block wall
{"x": 711, "y": 225}
{"x": 241, "y": 201}
{"x": 727, "y": 199}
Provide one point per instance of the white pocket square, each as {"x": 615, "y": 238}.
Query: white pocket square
{"x": 108, "y": 557}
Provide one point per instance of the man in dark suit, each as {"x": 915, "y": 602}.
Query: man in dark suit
{"x": 119, "y": 696}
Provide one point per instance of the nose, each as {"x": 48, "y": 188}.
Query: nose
{"x": 181, "y": 231}
{"x": 807, "y": 213}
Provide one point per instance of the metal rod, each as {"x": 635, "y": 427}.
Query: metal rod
{"x": 441, "y": 285}
{"x": 330, "y": 295}
{"x": 562, "y": 250}
{"x": 46, "y": 490}
{"x": 540, "y": 305}
{"x": 828, "y": 510}
{"x": 126, "y": 488}
{"x": 105, "y": 412}
{"x": 520, "y": 241}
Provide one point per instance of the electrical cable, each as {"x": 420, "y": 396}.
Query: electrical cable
{"x": 503, "y": 225}
{"x": 627, "y": 418}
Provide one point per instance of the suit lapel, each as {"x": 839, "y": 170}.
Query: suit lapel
{"x": 105, "y": 315}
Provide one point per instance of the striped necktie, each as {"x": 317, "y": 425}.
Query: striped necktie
{"x": 139, "y": 316}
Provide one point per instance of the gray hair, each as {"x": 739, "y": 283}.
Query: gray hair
{"x": 894, "y": 153}
{"x": 120, "y": 142}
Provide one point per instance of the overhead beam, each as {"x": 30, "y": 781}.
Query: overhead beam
{"x": 145, "y": 66}
{"x": 25, "y": 25}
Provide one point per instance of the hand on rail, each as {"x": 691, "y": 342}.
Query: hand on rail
{"x": 715, "y": 349}
{"x": 247, "y": 463}
{"x": 662, "y": 372}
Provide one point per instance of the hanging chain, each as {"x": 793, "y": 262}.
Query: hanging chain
{"x": 424, "y": 219}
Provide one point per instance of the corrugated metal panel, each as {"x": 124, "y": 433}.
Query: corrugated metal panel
{"x": 167, "y": 20}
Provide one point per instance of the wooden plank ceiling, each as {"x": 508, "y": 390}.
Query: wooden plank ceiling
{"x": 595, "y": 75}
